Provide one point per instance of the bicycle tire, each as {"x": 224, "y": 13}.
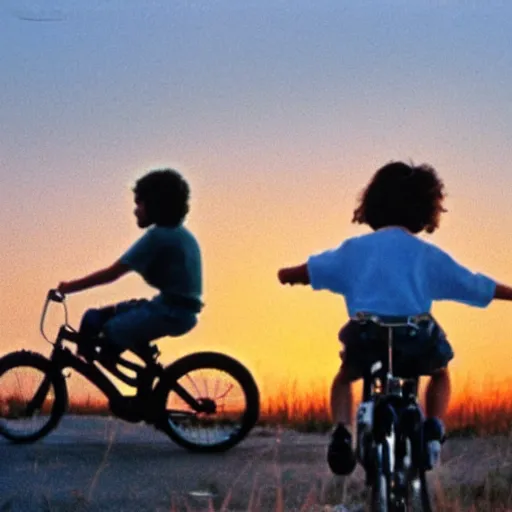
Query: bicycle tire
{"x": 379, "y": 496}
{"x": 207, "y": 361}
{"x": 8, "y": 405}
{"x": 425, "y": 498}
{"x": 418, "y": 495}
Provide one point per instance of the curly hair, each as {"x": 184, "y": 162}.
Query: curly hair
{"x": 402, "y": 195}
{"x": 165, "y": 194}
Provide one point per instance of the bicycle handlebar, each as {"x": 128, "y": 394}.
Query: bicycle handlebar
{"x": 53, "y": 295}
{"x": 56, "y": 296}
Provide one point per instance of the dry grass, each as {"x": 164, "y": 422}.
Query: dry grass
{"x": 488, "y": 414}
{"x": 89, "y": 406}
{"x": 301, "y": 411}
{"x": 472, "y": 414}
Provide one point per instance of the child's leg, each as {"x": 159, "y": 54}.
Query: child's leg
{"x": 437, "y": 398}
{"x": 434, "y": 363}
{"x": 93, "y": 320}
{"x": 437, "y": 395}
{"x": 91, "y": 325}
{"x": 341, "y": 398}
{"x": 341, "y": 389}
{"x": 340, "y": 456}
{"x": 137, "y": 322}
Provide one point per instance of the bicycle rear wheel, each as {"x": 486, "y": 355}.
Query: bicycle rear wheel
{"x": 416, "y": 488}
{"x": 33, "y": 397}
{"x": 210, "y": 402}
{"x": 418, "y": 494}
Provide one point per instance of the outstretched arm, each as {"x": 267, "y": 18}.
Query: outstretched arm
{"x": 104, "y": 276}
{"x": 503, "y": 292}
{"x": 294, "y": 275}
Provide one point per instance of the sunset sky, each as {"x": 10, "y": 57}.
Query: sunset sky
{"x": 277, "y": 113}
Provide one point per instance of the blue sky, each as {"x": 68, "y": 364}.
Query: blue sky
{"x": 242, "y": 76}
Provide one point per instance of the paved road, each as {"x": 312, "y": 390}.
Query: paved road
{"x": 101, "y": 464}
{"x": 98, "y": 464}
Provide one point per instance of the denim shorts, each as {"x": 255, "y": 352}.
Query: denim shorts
{"x": 137, "y": 321}
{"x": 415, "y": 353}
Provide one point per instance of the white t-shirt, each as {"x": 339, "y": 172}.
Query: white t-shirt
{"x": 392, "y": 272}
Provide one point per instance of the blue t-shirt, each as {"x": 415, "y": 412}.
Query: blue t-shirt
{"x": 393, "y": 272}
{"x": 169, "y": 259}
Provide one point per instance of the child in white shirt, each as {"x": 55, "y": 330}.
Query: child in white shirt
{"x": 392, "y": 272}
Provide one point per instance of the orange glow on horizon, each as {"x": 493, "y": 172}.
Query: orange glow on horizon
{"x": 487, "y": 411}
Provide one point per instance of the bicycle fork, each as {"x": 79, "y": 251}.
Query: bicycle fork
{"x": 37, "y": 401}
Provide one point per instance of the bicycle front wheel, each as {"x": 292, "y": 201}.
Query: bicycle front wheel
{"x": 210, "y": 402}
{"x": 379, "y": 497}
{"x": 33, "y": 397}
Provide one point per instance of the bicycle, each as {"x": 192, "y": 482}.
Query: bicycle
{"x": 174, "y": 399}
{"x": 390, "y": 444}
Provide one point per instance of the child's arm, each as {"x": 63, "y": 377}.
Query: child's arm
{"x": 104, "y": 276}
{"x": 503, "y": 292}
{"x": 294, "y": 275}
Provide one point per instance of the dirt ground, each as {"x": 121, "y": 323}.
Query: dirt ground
{"x": 100, "y": 464}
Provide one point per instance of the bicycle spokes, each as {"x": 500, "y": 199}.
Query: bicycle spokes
{"x": 206, "y": 406}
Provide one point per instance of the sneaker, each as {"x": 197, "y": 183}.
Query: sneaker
{"x": 434, "y": 437}
{"x": 340, "y": 456}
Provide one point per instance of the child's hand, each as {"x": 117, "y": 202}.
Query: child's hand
{"x": 63, "y": 288}
{"x": 294, "y": 275}
{"x": 282, "y": 275}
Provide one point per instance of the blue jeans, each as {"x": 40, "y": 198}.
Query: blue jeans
{"x": 137, "y": 321}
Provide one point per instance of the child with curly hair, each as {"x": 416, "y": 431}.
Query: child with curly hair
{"x": 167, "y": 256}
{"x": 392, "y": 272}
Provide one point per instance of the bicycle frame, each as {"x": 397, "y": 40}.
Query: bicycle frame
{"x": 393, "y": 445}
{"x": 121, "y": 405}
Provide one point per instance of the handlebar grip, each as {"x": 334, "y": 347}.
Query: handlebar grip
{"x": 56, "y": 296}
